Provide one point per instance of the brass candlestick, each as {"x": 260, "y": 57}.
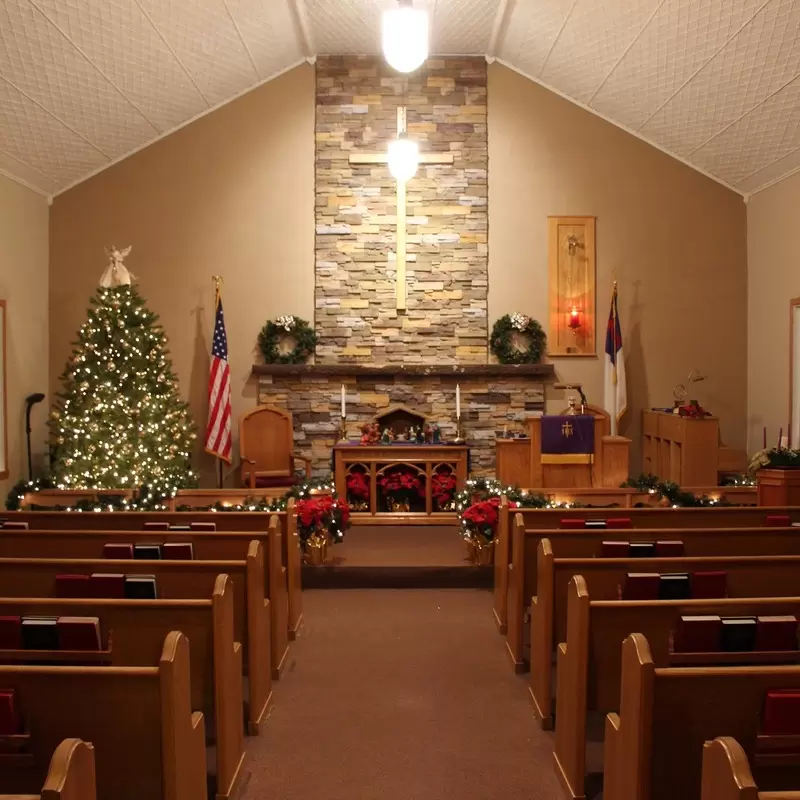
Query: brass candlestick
{"x": 459, "y": 433}
{"x": 343, "y": 428}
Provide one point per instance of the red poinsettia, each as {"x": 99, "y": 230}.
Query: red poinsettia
{"x": 322, "y": 511}
{"x": 401, "y": 483}
{"x": 443, "y": 487}
{"x": 481, "y": 517}
{"x": 358, "y": 485}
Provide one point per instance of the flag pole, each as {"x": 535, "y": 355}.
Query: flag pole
{"x": 614, "y": 421}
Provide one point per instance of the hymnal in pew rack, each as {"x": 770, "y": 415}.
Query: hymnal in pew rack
{"x": 85, "y": 658}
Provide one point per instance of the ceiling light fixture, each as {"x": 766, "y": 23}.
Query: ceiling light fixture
{"x": 405, "y": 36}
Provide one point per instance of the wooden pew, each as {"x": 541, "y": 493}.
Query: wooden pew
{"x": 590, "y": 660}
{"x": 176, "y": 580}
{"x": 207, "y": 546}
{"x": 70, "y": 776}
{"x": 524, "y": 573}
{"x": 665, "y": 523}
{"x": 747, "y": 576}
{"x": 654, "y": 746}
{"x": 727, "y": 774}
{"x": 246, "y": 521}
{"x": 136, "y": 630}
{"x": 149, "y": 743}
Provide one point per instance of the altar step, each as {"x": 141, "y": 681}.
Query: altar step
{"x": 399, "y": 557}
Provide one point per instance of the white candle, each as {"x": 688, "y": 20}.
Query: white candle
{"x": 458, "y": 401}
{"x": 344, "y": 410}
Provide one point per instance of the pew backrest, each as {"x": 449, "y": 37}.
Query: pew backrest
{"x": 727, "y": 774}
{"x": 148, "y": 741}
{"x": 667, "y": 714}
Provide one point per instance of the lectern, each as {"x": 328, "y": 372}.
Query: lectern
{"x": 602, "y": 462}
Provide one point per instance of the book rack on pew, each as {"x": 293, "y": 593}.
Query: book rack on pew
{"x": 74, "y": 657}
{"x": 14, "y": 751}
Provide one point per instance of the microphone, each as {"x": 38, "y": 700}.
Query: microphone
{"x": 31, "y": 401}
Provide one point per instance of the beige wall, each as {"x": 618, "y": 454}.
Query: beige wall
{"x": 674, "y": 238}
{"x": 23, "y": 285}
{"x": 773, "y": 280}
{"x": 231, "y": 194}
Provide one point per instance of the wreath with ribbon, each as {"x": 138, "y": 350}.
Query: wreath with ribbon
{"x": 502, "y": 343}
{"x": 276, "y": 331}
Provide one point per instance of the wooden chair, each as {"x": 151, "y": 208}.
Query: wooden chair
{"x": 266, "y": 441}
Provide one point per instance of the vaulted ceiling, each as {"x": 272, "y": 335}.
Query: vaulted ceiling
{"x": 85, "y": 82}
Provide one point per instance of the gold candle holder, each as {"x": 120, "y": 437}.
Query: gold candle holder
{"x": 459, "y": 432}
{"x": 342, "y": 429}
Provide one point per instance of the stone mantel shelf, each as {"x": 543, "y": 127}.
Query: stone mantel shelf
{"x": 542, "y": 371}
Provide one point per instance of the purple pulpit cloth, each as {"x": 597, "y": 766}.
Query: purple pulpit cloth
{"x": 571, "y": 435}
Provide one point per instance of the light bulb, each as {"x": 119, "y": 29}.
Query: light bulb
{"x": 405, "y": 37}
{"x": 403, "y": 158}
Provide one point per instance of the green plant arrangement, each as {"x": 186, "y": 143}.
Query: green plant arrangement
{"x": 502, "y": 339}
{"x": 775, "y": 457}
{"x": 275, "y": 331}
{"x": 671, "y": 494}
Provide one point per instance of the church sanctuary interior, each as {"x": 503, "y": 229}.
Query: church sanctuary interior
{"x": 400, "y": 400}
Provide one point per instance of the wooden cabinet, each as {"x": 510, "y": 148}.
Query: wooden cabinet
{"x": 680, "y": 449}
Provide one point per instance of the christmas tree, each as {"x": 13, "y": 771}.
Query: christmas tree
{"x": 119, "y": 422}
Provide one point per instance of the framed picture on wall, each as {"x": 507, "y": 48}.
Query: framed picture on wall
{"x": 3, "y": 404}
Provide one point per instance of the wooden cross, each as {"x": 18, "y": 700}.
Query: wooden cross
{"x": 382, "y": 158}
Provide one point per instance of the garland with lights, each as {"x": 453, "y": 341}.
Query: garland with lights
{"x": 119, "y": 421}
{"x": 145, "y": 499}
{"x": 672, "y": 494}
{"x": 274, "y": 332}
{"x": 502, "y": 344}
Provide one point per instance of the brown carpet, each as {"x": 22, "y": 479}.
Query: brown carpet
{"x": 396, "y": 545}
{"x": 400, "y": 695}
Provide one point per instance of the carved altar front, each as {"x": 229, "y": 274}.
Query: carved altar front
{"x": 374, "y": 464}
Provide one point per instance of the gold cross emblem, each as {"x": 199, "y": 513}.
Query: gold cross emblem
{"x": 566, "y": 429}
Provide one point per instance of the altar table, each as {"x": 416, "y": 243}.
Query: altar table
{"x": 374, "y": 460}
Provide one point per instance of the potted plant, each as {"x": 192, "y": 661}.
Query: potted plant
{"x": 400, "y": 487}
{"x": 480, "y": 524}
{"x": 777, "y": 476}
{"x": 357, "y": 483}
{"x": 321, "y": 520}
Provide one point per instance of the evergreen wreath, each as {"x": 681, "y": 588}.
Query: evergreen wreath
{"x": 274, "y": 331}
{"x": 503, "y": 347}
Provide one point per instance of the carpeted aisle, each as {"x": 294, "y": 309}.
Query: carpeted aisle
{"x": 399, "y": 695}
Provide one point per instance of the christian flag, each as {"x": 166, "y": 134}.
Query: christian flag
{"x": 218, "y": 432}
{"x": 616, "y": 394}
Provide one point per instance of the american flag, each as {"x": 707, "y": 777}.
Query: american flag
{"x": 218, "y": 433}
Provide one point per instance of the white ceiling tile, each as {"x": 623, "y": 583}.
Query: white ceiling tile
{"x": 12, "y": 166}
{"x": 756, "y": 63}
{"x": 344, "y": 27}
{"x": 681, "y": 38}
{"x": 40, "y": 62}
{"x": 530, "y": 32}
{"x": 137, "y": 61}
{"x": 30, "y": 134}
{"x": 595, "y": 37}
{"x": 203, "y": 36}
{"x": 268, "y": 31}
{"x": 772, "y": 172}
{"x": 770, "y": 131}
{"x": 463, "y": 26}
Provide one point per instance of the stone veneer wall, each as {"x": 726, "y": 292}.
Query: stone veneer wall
{"x": 447, "y": 262}
{"x": 488, "y": 405}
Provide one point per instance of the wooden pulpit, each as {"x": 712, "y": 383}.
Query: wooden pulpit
{"x": 608, "y": 468}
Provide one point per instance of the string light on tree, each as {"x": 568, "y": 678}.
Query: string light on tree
{"x": 120, "y": 422}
